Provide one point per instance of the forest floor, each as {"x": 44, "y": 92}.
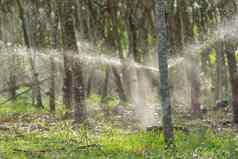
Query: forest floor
{"x": 27, "y": 132}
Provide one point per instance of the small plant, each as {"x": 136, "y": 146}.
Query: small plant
{"x": 111, "y": 102}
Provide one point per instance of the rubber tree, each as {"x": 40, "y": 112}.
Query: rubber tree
{"x": 9, "y": 24}
{"x": 30, "y": 44}
{"x": 73, "y": 66}
{"x": 232, "y": 64}
{"x": 53, "y": 14}
{"x": 163, "y": 51}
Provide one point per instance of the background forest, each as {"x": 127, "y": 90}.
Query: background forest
{"x": 118, "y": 79}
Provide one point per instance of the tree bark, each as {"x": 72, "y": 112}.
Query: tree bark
{"x": 163, "y": 51}
{"x": 105, "y": 87}
{"x": 52, "y": 85}
{"x": 220, "y": 71}
{"x": 73, "y": 70}
{"x": 90, "y": 80}
{"x": 53, "y": 14}
{"x": 119, "y": 83}
{"x": 232, "y": 64}
{"x": 36, "y": 92}
{"x": 12, "y": 86}
{"x": 67, "y": 25}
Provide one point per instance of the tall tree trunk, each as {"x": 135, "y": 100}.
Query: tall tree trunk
{"x": 36, "y": 92}
{"x": 230, "y": 53}
{"x": 73, "y": 70}
{"x": 115, "y": 42}
{"x": 68, "y": 80}
{"x": 130, "y": 76}
{"x": 53, "y": 14}
{"x": 12, "y": 57}
{"x": 163, "y": 51}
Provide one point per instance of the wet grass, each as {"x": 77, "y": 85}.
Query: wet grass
{"x": 39, "y": 135}
{"x": 69, "y": 144}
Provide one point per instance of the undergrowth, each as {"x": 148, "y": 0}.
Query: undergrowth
{"x": 46, "y": 136}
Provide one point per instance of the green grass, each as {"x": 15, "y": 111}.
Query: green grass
{"x": 61, "y": 141}
{"x": 66, "y": 144}
{"x": 14, "y": 108}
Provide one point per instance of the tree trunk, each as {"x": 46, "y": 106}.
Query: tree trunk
{"x": 119, "y": 83}
{"x": 220, "y": 72}
{"x": 90, "y": 80}
{"x": 163, "y": 51}
{"x": 78, "y": 94}
{"x": 36, "y": 92}
{"x": 67, "y": 86}
{"x": 39, "y": 103}
{"x": 12, "y": 86}
{"x": 230, "y": 53}
{"x": 67, "y": 25}
{"x": 52, "y": 86}
{"x": 53, "y": 14}
{"x": 195, "y": 93}
{"x": 105, "y": 87}
{"x": 74, "y": 86}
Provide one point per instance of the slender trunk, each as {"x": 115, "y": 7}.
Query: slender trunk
{"x": 52, "y": 86}
{"x": 90, "y": 80}
{"x": 174, "y": 28}
{"x": 230, "y": 53}
{"x": 12, "y": 86}
{"x": 115, "y": 42}
{"x": 130, "y": 73}
{"x": 195, "y": 93}
{"x": 220, "y": 72}
{"x": 163, "y": 51}
{"x": 193, "y": 73}
{"x": 39, "y": 103}
{"x": 105, "y": 87}
{"x": 67, "y": 42}
{"x": 119, "y": 83}
{"x": 67, "y": 88}
{"x": 36, "y": 92}
{"x": 73, "y": 68}
{"x": 78, "y": 94}
{"x": 53, "y": 14}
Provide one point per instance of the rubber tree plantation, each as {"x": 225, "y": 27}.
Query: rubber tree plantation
{"x": 118, "y": 79}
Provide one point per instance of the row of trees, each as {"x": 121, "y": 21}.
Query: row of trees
{"x": 130, "y": 29}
